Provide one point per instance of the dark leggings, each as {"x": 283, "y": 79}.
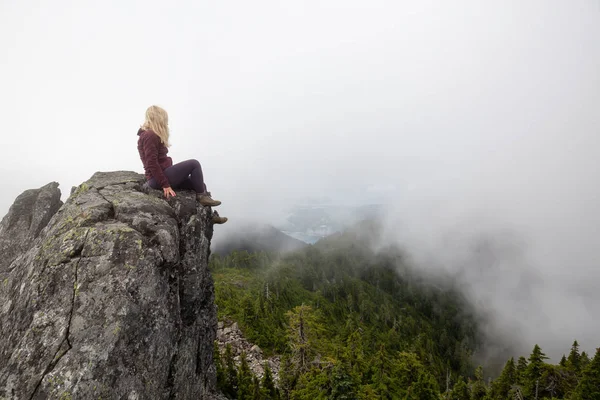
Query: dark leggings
{"x": 184, "y": 175}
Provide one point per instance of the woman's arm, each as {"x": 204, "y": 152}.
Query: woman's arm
{"x": 150, "y": 145}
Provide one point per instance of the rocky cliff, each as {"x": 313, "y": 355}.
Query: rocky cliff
{"x": 107, "y": 296}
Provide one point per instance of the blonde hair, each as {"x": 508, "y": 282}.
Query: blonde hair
{"x": 157, "y": 121}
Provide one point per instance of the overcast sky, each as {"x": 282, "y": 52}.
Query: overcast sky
{"x": 474, "y": 117}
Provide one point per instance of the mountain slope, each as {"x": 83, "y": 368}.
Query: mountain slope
{"x": 357, "y": 309}
{"x": 348, "y": 323}
{"x": 254, "y": 238}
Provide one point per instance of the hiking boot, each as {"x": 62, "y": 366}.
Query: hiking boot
{"x": 219, "y": 220}
{"x": 206, "y": 200}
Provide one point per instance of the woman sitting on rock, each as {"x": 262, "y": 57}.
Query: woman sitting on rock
{"x": 160, "y": 172}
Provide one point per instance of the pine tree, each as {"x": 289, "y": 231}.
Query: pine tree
{"x": 406, "y": 370}
{"x": 563, "y": 361}
{"x": 536, "y": 362}
{"x": 478, "y": 389}
{"x": 302, "y": 332}
{"x": 425, "y": 388}
{"x": 342, "y": 386}
{"x": 502, "y": 386}
{"x": 585, "y": 360}
{"x": 574, "y": 359}
{"x": 314, "y": 384}
{"x": 257, "y": 393}
{"x": 288, "y": 377}
{"x": 555, "y": 382}
{"x": 221, "y": 372}
{"x": 367, "y": 392}
{"x": 381, "y": 371}
{"x": 534, "y": 372}
{"x": 230, "y": 387}
{"x": 589, "y": 386}
{"x": 460, "y": 390}
{"x": 244, "y": 378}
{"x": 271, "y": 392}
{"x": 522, "y": 371}
{"x": 354, "y": 353}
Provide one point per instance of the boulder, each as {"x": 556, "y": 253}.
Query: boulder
{"x": 107, "y": 297}
{"x": 29, "y": 214}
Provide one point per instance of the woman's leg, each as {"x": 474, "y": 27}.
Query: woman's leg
{"x": 186, "y": 174}
{"x": 188, "y": 185}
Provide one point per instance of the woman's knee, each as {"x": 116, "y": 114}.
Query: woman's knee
{"x": 195, "y": 163}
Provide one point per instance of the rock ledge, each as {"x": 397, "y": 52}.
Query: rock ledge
{"x": 109, "y": 297}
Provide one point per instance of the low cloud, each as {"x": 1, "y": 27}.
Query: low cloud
{"x": 477, "y": 122}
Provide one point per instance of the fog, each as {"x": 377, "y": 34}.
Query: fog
{"x": 475, "y": 121}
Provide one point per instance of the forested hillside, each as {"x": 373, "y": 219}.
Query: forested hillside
{"x": 352, "y": 324}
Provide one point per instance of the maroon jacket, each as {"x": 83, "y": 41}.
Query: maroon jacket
{"x": 154, "y": 157}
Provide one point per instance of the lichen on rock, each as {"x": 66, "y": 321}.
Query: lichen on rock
{"x": 107, "y": 297}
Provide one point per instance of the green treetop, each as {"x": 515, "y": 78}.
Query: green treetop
{"x": 574, "y": 359}
{"x": 589, "y": 385}
{"x": 460, "y": 390}
{"x": 501, "y": 387}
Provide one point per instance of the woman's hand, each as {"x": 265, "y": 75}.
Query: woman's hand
{"x": 168, "y": 192}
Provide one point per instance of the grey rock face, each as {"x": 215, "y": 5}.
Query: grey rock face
{"x": 25, "y": 220}
{"x": 112, "y": 299}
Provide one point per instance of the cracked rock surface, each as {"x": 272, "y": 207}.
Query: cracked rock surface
{"x": 108, "y": 296}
